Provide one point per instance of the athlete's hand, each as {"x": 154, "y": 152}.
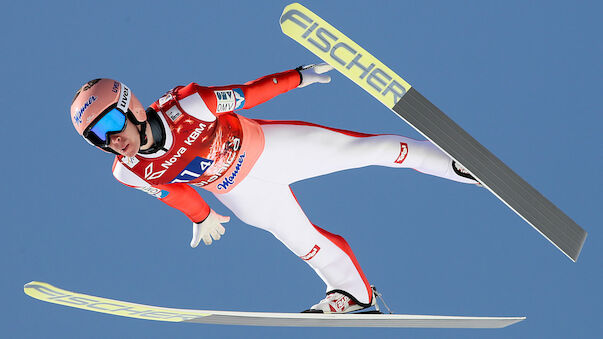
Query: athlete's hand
{"x": 208, "y": 229}
{"x": 314, "y": 73}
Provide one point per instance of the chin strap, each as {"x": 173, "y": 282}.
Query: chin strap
{"x": 157, "y": 130}
{"x": 143, "y": 128}
{"x": 143, "y": 134}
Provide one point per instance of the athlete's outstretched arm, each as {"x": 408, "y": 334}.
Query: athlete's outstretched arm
{"x": 207, "y": 224}
{"x": 219, "y": 99}
{"x": 184, "y": 198}
{"x": 269, "y": 86}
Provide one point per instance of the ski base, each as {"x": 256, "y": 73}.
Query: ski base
{"x": 49, "y": 293}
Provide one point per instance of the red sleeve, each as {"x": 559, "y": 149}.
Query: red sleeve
{"x": 254, "y": 92}
{"x": 184, "y": 198}
{"x": 178, "y": 195}
{"x": 265, "y": 88}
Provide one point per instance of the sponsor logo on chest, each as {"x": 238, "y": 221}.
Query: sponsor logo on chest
{"x": 233, "y": 147}
{"x": 192, "y": 137}
{"x": 165, "y": 98}
{"x": 173, "y": 113}
{"x": 231, "y": 178}
{"x": 130, "y": 161}
{"x": 195, "y": 134}
{"x": 193, "y": 170}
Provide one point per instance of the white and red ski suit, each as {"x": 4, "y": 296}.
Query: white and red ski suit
{"x": 249, "y": 164}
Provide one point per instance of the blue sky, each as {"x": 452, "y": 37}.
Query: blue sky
{"x": 523, "y": 78}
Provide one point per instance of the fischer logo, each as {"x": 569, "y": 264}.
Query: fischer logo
{"x": 403, "y": 153}
{"x": 80, "y": 111}
{"x": 116, "y": 307}
{"x": 312, "y": 253}
{"x": 231, "y": 178}
{"x": 325, "y": 40}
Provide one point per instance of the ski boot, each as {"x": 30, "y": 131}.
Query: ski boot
{"x": 460, "y": 170}
{"x": 342, "y": 302}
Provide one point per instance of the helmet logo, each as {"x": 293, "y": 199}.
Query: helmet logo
{"x": 90, "y": 83}
{"x": 124, "y": 99}
{"x": 77, "y": 117}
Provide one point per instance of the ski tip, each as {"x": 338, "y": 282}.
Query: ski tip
{"x": 293, "y": 5}
{"x": 34, "y": 283}
{"x": 28, "y": 287}
{"x": 287, "y": 11}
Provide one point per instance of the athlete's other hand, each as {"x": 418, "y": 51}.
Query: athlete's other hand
{"x": 314, "y": 73}
{"x": 208, "y": 229}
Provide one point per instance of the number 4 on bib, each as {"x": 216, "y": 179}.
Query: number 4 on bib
{"x": 322, "y": 39}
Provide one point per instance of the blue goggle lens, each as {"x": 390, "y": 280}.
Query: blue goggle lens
{"x": 113, "y": 122}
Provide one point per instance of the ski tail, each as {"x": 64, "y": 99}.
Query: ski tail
{"x": 332, "y": 46}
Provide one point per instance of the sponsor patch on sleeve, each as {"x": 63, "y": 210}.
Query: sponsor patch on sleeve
{"x": 156, "y": 192}
{"x": 239, "y": 98}
{"x": 225, "y": 101}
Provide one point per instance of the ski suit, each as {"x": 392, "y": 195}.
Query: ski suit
{"x": 249, "y": 164}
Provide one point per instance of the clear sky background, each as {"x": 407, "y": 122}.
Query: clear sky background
{"x": 524, "y": 78}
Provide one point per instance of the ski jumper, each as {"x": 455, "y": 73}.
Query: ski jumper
{"x": 249, "y": 164}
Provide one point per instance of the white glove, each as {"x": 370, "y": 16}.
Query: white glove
{"x": 208, "y": 229}
{"x": 314, "y": 73}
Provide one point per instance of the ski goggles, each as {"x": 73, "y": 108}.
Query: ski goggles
{"x": 112, "y": 121}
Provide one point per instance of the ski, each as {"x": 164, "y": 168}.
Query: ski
{"x": 332, "y": 46}
{"x": 46, "y": 292}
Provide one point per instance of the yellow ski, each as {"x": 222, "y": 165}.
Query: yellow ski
{"x": 332, "y": 46}
{"x": 46, "y": 292}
